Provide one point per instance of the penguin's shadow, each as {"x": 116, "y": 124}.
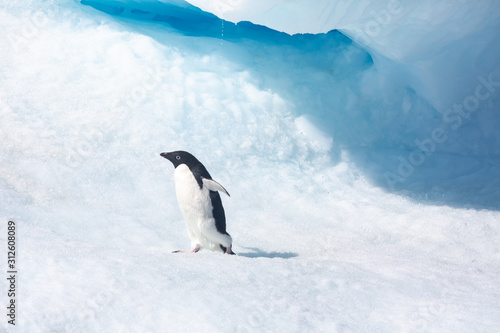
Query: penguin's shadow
{"x": 258, "y": 253}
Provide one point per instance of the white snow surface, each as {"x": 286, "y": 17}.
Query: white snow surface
{"x": 365, "y": 193}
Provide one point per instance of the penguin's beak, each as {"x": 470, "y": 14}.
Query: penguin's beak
{"x": 168, "y": 156}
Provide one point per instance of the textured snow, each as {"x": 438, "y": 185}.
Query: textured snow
{"x": 364, "y": 175}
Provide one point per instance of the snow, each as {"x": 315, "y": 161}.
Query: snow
{"x": 364, "y": 176}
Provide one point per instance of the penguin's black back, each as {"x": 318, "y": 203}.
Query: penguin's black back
{"x": 218, "y": 212}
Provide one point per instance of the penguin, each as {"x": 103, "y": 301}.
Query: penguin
{"x": 200, "y": 203}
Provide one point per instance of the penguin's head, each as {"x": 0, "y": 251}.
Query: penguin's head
{"x": 180, "y": 157}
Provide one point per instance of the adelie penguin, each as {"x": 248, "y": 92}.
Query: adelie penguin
{"x": 200, "y": 203}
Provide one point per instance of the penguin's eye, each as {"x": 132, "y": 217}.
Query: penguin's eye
{"x": 178, "y": 157}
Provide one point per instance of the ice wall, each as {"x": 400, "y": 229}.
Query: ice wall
{"x": 414, "y": 91}
{"x": 445, "y": 44}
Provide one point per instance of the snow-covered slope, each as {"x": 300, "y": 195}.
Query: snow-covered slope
{"x": 357, "y": 203}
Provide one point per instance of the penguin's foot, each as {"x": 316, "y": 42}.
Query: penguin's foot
{"x": 227, "y": 250}
{"x": 196, "y": 249}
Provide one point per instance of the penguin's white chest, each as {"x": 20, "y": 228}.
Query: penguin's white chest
{"x": 195, "y": 203}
